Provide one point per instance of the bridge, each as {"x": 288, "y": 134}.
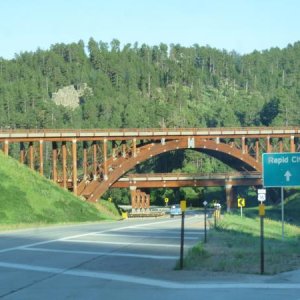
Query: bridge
{"x": 172, "y": 180}
{"x": 108, "y": 154}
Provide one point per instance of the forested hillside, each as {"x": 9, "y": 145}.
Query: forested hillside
{"x": 102, "y": 85}
{"x": 150, "y": 86}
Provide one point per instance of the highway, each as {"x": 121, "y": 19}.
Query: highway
{"x": 128, "y": 259}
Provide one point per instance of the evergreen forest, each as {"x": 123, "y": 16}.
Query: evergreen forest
{"x": 142, "y": 86}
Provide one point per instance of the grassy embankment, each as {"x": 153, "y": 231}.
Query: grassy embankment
{"x": 27, "y": 199}
{"x": 234, "y": 246}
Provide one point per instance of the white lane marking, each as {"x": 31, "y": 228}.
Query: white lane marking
{"x": 146, "y": 236}
{"x": 122, "y": 243}
{"x": 150, "y": 281}
{"x": 85, "y": 234}
{"x": 157, "y": 257}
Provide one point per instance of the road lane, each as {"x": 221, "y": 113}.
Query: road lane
{"x": 116, "y": 260}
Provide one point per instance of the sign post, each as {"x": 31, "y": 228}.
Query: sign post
{"x": 261, "y": 196}
{"x": 205, "y": 230}
{"x": 281, "y": 170}
{"x": 183, "y": 208}
{"x": 262, "y": 251}
{"x": 166, "y": 201}
{"x": 282, "y": 213}
{"x": 241, "y": 204}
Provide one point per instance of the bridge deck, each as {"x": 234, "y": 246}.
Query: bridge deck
{"x": 121, "y": 134}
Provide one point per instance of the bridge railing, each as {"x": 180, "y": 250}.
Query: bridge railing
{"x": 186, "y": 176}
{"x": 151, "y": 132}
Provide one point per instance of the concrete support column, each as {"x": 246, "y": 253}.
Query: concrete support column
{"x": 229, "y": 196}
{"x": 74, "y": 162}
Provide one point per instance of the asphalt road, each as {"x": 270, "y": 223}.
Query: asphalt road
{"x": 131, "y": 259}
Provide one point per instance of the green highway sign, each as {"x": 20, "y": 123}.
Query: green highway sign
{"x": 281, "y": 169}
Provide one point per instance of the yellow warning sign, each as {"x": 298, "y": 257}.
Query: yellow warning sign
{"x": 183, "y": 205}
{"x": 261, "y": 210}
{"x": 241, "y": 202}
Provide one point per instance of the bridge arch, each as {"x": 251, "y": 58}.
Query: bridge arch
{"x": 226, "y": 153}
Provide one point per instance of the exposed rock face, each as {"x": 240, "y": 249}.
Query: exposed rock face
{"x": 70, "y": 97}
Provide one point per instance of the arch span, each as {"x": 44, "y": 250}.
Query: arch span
{"x": 224, "y": 152}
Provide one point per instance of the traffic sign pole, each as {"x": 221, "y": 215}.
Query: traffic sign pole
{"x": 205, "y": 226}
{"x": 262, "y": 250}
{"x": 183, "y": 208}
{"x": 282, "y": 213}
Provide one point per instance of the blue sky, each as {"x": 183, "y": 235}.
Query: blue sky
{"x": 240, "y": 25}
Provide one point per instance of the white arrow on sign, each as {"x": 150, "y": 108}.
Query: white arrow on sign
{"x": 287, "y": 175}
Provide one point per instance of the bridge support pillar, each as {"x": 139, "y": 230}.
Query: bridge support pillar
{"x": 41, "y": 157}
{"x": 85, "y": 161}
{"x": 133, "y": 197}
{"x": 64, "y": 164}
{"x": 74, "y": 156}
{"x": 140, "y": 201}
{"x": 6, "y": 147}
{"x": 229, "y": 195}
{"x": 134, "y": 147}
{"x": 292, "y": 143}
{"x": 22, "y": 153}
{"x": 94, "y": 145}
{"x": 105, "y": 169}
{"x": 31, "y": 156}
{"x": 54, "y": 161}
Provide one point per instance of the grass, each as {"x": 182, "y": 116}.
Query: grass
{"x": 234, "y": 246}
{"x": 28, "y": 198}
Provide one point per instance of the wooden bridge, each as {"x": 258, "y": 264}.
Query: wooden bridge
{"x": 94, "y": 160}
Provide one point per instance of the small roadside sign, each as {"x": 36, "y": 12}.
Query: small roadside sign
{"x": 261, "y": 197}
{"x": 166, "y": 200}
{"x": 183, "y": 205}
{"x": 241, "y": 202}
{"x": 261, "y": 191}
{"x": 261, "y": 210}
